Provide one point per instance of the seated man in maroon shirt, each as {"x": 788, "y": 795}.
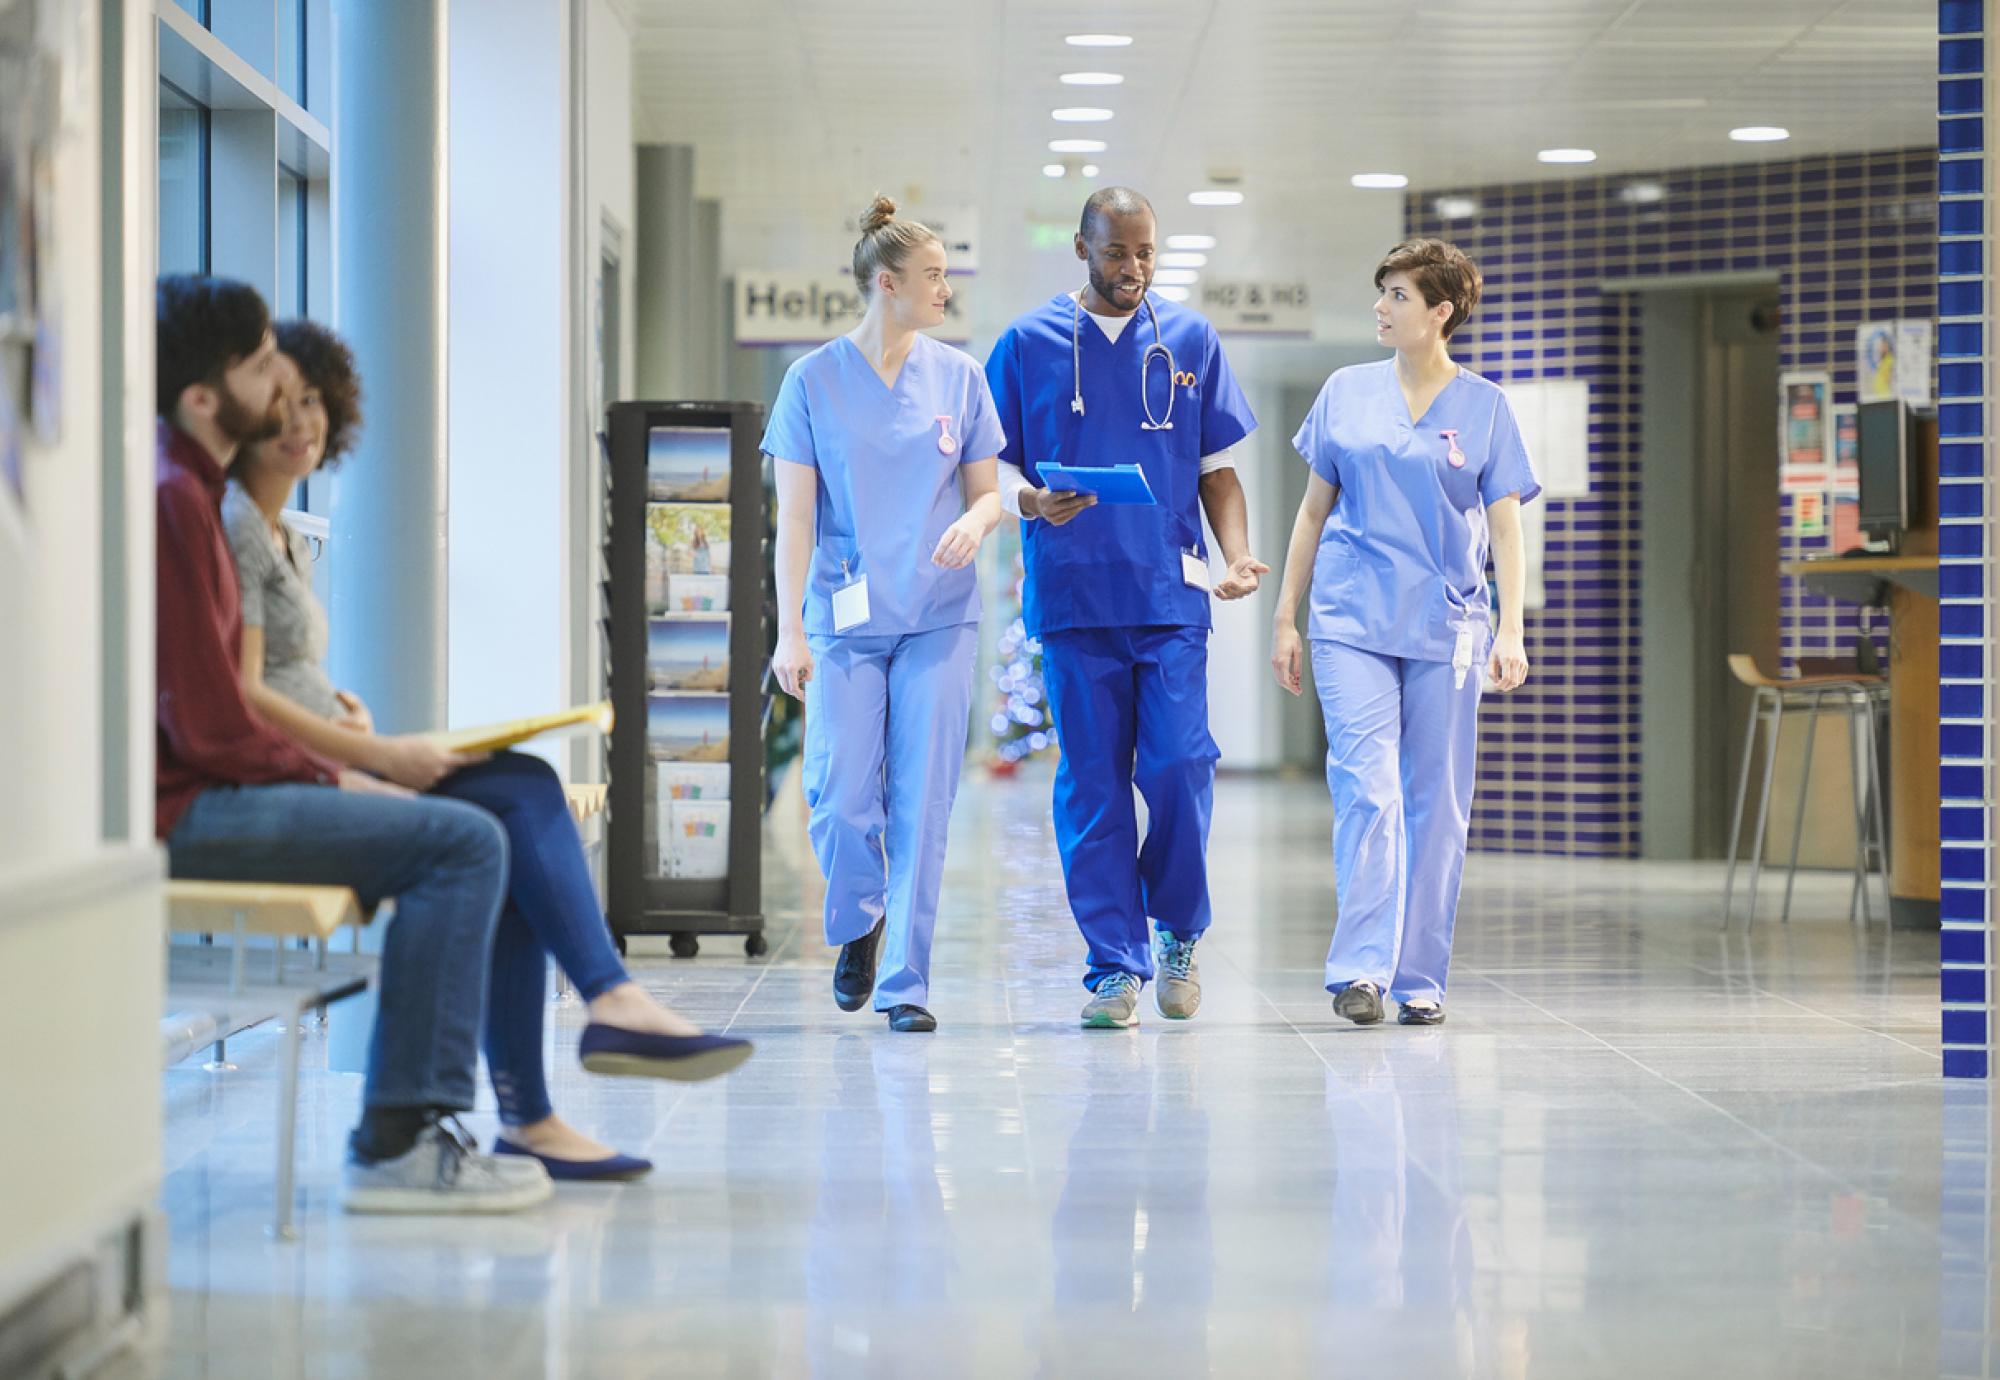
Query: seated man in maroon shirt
{"x": 238, "y": 801}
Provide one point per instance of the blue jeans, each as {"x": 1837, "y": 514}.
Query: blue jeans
{"x": 551, "y": 908}
{"x": 446, "y": 865}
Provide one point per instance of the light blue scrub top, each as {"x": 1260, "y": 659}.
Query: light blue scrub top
{"x": 1402, "y": 559}
{"x": 886, "y": 492}
{"x": 1113, "y": 565}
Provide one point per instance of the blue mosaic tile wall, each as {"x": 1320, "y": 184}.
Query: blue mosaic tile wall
{"x": 1965, "y": 663}
{"x": 1851, "y": 238}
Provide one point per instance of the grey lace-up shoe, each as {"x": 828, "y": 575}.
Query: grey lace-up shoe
{"x": 1114, "y": 1005}
{"x": 1360, "y": 1002}
{"x": 443, "y": 1173}
{"x": 1178, "y": 989}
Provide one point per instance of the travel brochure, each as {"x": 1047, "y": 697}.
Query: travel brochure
{"x": 688, "y": 728}
{"x": 688, "y": 653}
{"x": 687, "y": 464}
{"x": 687, "y": 558}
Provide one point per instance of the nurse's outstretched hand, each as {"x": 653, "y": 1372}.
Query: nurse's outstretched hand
{"x": 1242, "y": 578}
{"x": 1288, "y": 657}
{"x": 1054, "y": 507}
{"x": 960, "y": 543}
{"x": 1508, "y": 668}
{"x": 792, "y": 664}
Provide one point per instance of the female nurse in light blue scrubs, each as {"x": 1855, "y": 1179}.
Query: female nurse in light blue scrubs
{"x": 886, "y": 446}
{"x": 1418, "y": 471}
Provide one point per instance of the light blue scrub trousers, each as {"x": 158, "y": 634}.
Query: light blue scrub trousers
{"x": 886, "y": 724}
{"x": 1131, "y": 706}
{"x": 1399, "y": 762}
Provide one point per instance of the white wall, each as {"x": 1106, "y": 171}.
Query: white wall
{"x": 507, "y": 365}
{"x": 80, "y": 916}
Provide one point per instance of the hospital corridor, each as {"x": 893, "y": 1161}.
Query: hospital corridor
{"x": 970, "y": 689}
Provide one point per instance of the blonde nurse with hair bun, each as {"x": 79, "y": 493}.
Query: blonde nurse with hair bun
{"x": 885, "y": 446}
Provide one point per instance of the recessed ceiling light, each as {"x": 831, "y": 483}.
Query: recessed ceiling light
{"x": 1171, "y": 292}
{"x": 1076, "y": 146}
{"x": 1568, "y": 155}
{"x": 1093, "y": 79}
{"x": 1053, "y": 170}
{"x": 1385, "y": 181}
{"x": 1455, "y": 207}
{"x": 1215, "y": 197}
{"x": 1180, "y": 258}
{"x": 1081, "y": 114}
{"x": 1642, "y": 193}
{"x": 1190, "y": 241}
{"x": 1099, "y": 40}
{"x": 1177, "y": 277}
{"x": 1090, "y": 169}
{"x": 1759, "y": 134}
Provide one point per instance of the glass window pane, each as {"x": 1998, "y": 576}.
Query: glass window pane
{"x": 183, "y": 185}
{"x": 291, "y": 244}
{"x": 292, "y": 49}
{"x": 197, "y": 8}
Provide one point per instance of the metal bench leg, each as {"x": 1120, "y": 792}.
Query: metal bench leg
{"x": 1736, "y": 820}
{"x": 1777, "y": 722}
{"x": 218, "y": 1059}
{"x": 1799, "y": 815}
{"x": 288, "y": 1125}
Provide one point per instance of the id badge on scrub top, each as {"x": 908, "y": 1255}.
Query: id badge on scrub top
{"x": 850, "y": 602}
{"x": 1461, "y": 656}
{"x": 1194, "y": 571}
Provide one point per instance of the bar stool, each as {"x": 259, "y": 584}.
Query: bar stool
{"x": 1861, "y": 698}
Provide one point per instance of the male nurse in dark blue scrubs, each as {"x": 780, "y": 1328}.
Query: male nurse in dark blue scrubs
{"x": 1118, "y": 594}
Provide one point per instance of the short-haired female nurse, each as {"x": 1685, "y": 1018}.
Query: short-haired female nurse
{"x": 1418, "y": 471}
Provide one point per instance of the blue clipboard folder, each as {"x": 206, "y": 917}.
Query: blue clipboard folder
{"x": 1111, "y": 483}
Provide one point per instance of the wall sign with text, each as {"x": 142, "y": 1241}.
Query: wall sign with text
{"x": 807, "y": 309}
{"x": 1258, "y": 308}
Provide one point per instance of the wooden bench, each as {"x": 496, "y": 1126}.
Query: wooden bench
{"x": 216, "y": 990}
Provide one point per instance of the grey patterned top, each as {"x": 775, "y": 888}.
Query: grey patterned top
{"x": 278, "y": 597}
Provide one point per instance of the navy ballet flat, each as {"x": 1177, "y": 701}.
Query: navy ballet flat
{"x": 616, "y": 1168}
{"x": 681, "y": 1058}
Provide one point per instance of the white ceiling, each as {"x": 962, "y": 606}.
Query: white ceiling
{"x": 801, "y": 109}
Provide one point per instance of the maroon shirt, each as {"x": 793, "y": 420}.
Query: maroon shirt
{"x": 207, "y": 733}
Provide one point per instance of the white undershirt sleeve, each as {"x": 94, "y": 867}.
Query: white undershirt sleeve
{"x": 1012, "y": 480}
{"x": 1224, "y": 459}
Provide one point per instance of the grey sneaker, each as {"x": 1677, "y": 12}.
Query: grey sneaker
{"x": 443, "y": 1173}
{"x": 1178, "y": 994}
{"x": 1114, "y": 1005}
{"x": 1360, "y": 1002}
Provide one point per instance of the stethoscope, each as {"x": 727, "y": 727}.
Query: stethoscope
{"x": 1157, "y": 350}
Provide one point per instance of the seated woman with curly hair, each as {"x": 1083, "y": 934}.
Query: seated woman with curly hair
{"x": 551, "y": 905}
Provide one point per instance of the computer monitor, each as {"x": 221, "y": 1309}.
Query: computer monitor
{"x": 1884, "y": 445}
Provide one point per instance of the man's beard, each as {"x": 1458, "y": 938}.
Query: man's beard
{"x": 241, "y": 426}
{"x": 1104, "y": 286}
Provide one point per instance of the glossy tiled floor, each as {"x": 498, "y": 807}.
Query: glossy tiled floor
{"x": 1638, "y": 1148}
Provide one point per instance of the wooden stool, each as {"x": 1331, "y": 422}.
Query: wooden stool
{"x": 1859, "y": 697}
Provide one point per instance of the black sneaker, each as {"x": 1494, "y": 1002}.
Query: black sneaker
{"x": 1420, "y": 1013}
{"x": 854, "y": 974}
{"x": 1360, "y": 1002}
{"x": 911, "y": 1018}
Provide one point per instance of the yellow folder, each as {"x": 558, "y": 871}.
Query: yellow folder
{"x": 580, "y": 718}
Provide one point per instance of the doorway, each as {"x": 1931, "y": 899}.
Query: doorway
{"x": 1708, "y": 548}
